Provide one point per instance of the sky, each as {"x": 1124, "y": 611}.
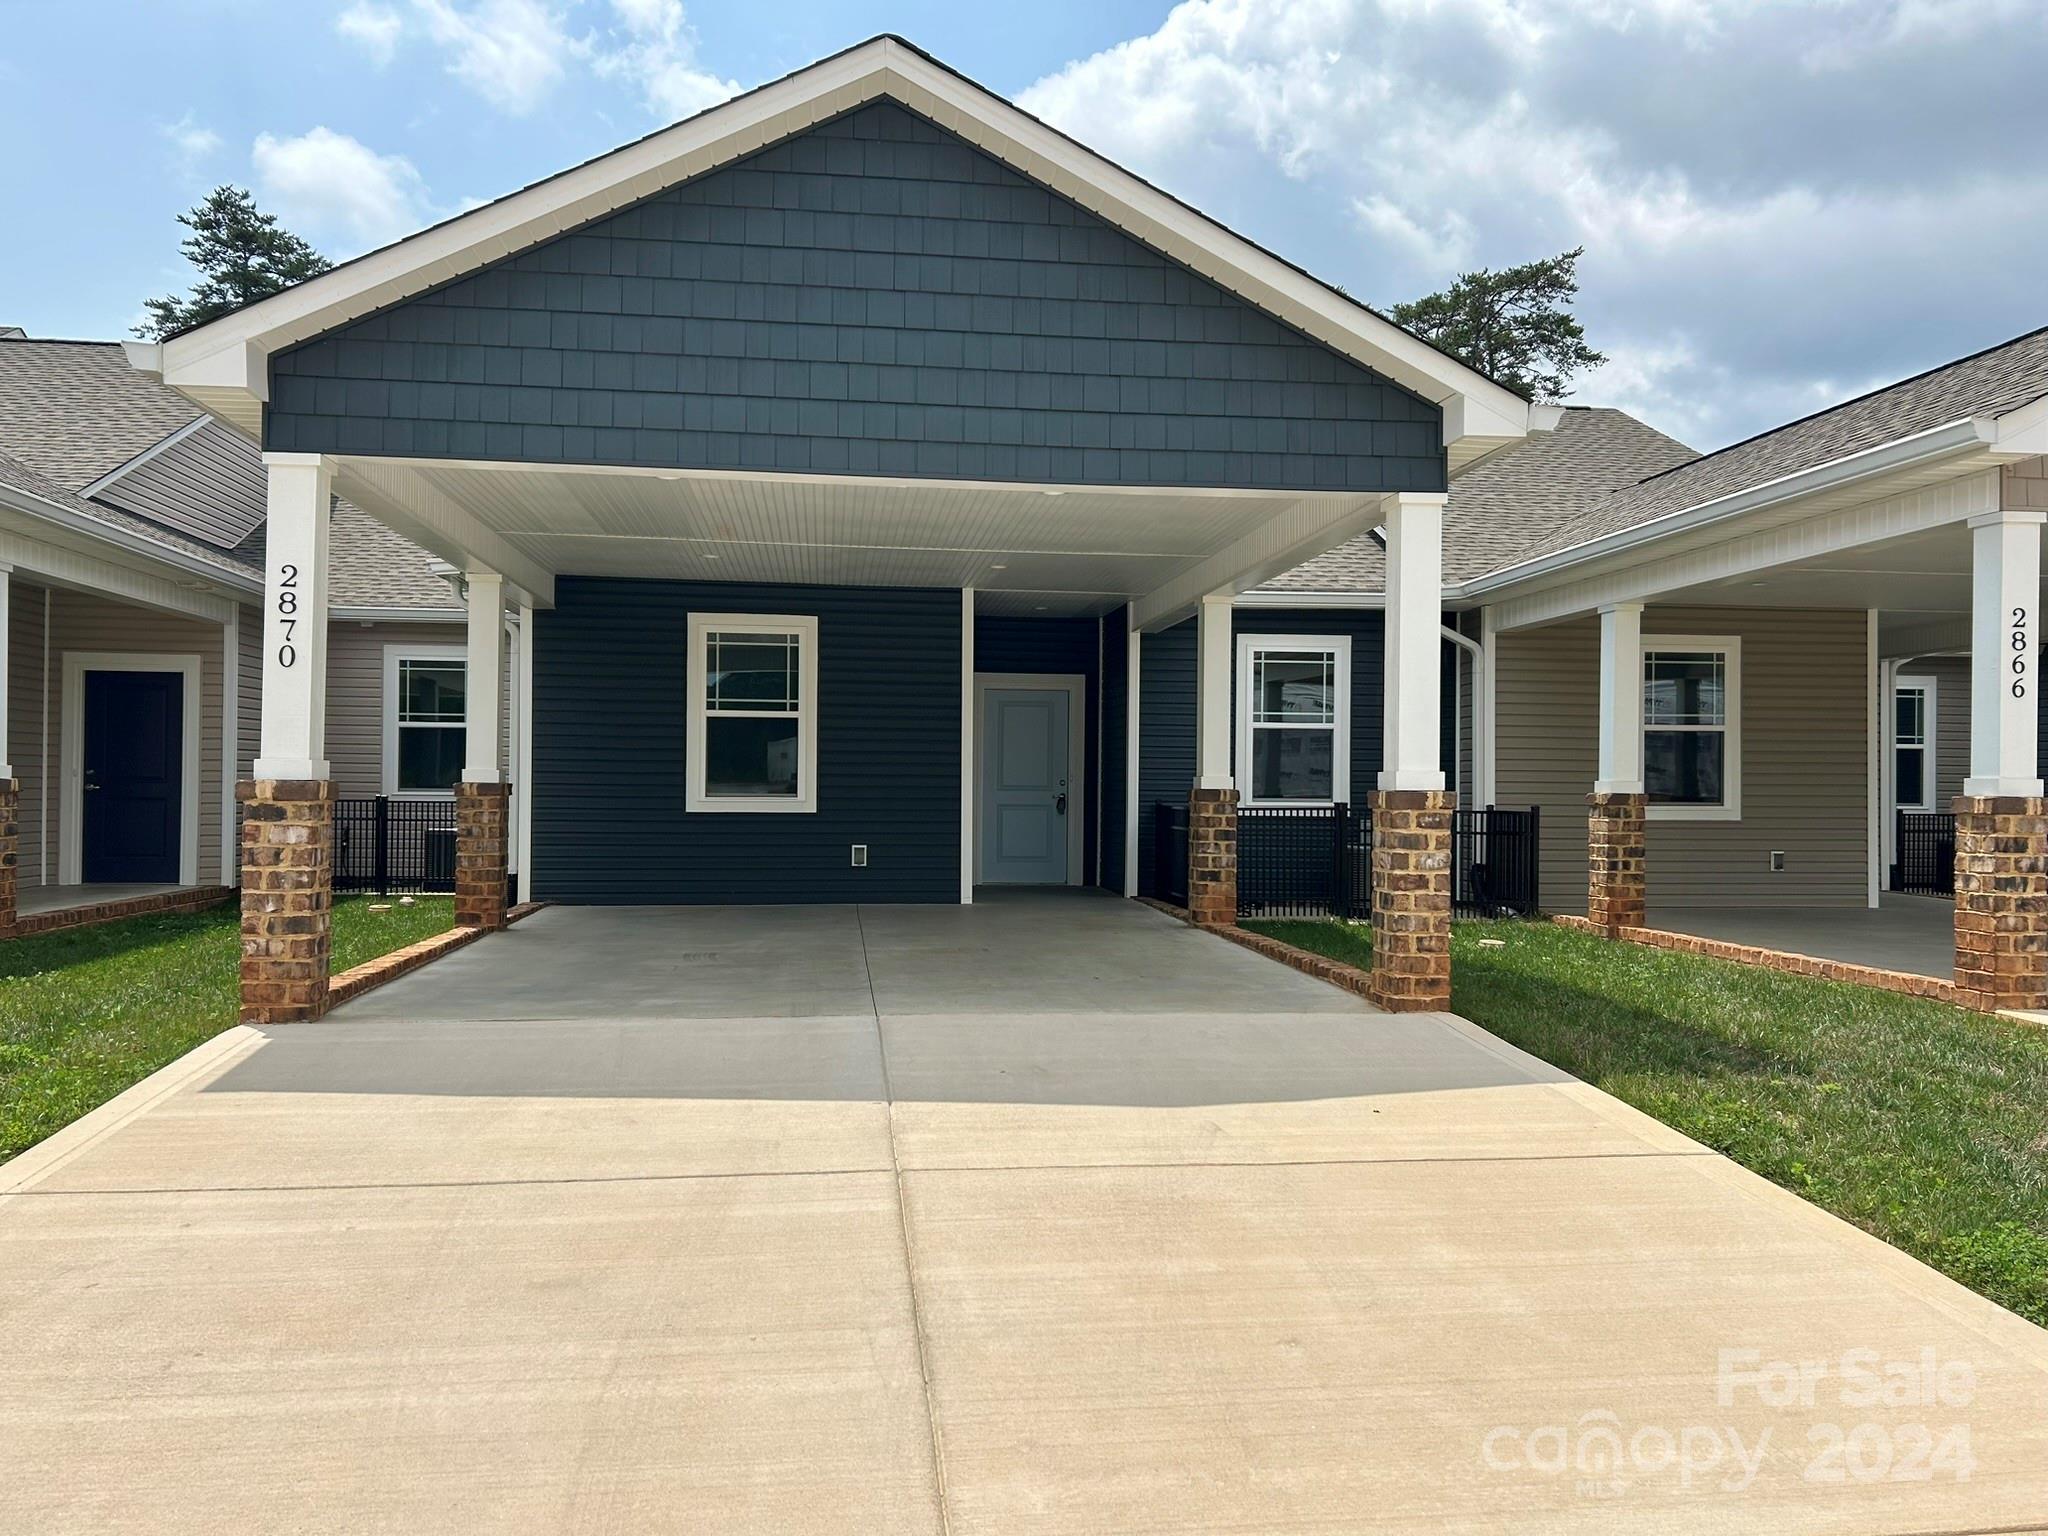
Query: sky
{"x": 1782, "y": 204}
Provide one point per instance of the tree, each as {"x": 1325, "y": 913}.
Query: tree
{"x": 1514, "y": 326}
{"x": 242, "y": 255}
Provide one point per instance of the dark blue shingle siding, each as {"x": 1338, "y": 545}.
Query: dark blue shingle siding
{"x": 609, "y": 730}
{"x": 874, "y": 296}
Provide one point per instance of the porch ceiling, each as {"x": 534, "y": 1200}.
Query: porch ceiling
{"x": 1927, "y": 572}
{"x": 1026, "y": 548}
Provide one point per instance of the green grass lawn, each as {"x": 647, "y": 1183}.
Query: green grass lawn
{"x": 86, "y": 1013}
{"x": 1922, "y": 1123}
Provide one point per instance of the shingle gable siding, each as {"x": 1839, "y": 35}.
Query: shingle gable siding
{"x": 874, "y": 297}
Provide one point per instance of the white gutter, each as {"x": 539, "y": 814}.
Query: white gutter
{"x": 1310, "y": 600}
{"x": 393, "y": 614}
{"x": 1974, "y": 432}
{"x": 32, "y": 505}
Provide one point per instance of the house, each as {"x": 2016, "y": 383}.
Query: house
{"x": 132, "y": 525}
{"x": 820, "y": 440}
{"x": 893, "y": 495}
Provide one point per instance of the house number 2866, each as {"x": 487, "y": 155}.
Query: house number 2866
{"x": 2019, "y": 653}
{"x": 287, "y": 614}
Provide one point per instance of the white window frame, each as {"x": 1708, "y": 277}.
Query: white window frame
{"x": 805, "y": 628}
{"x": 1930, "y": 708}
{"x": 394, "y": 653}
{"x": 1248, "y": 645}
{"x": 1730, "y": 649}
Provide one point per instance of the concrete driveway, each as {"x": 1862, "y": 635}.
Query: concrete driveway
{"x": 1046, "y": 1215}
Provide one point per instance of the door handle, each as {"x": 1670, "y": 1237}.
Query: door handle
{"x": 1059, "y": 802}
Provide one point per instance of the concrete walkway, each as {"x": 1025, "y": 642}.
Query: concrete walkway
{"x": 1915, "y": 934}
{"x": 1040, "y": 1216}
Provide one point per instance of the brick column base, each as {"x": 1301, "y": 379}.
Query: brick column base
{"x": 287, "y": 898}
{"x": 481, "y": 831}
{"x": 10, "y": 851}
{"x": 1617, "y": 865}
{"x": 1212, "y": 857}
{"x": 2001, "y": 902}
{"x": 1411, "y": 899}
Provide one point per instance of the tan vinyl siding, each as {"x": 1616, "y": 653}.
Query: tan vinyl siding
{"x": 1804, "y": 690}
{"x": 25, "y": 726}
{"x": 81, "y": 621}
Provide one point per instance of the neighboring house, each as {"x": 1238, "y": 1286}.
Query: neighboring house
{"x": 131, "y": 526}
{"x": 894, "y": 493}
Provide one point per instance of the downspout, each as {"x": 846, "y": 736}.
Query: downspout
{"x": 1478, "y": 654}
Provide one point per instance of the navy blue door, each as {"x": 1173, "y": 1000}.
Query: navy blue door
{"x": 134, "y": 776}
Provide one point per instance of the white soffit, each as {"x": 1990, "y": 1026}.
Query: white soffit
{"x": 1077, "y": 550}
{"x": 223, "y": 366}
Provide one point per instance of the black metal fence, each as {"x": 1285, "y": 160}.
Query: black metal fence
{"x": 1926, "y": 845}
{"x": 394, "y": 846}
{"x": 1316, "y": 861}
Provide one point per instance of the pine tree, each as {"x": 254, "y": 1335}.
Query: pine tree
{"x": 242, "y": 255}
{"x": 1515, "y": 326}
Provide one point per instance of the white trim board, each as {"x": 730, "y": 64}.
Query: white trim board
{"x": 1730, "y": 808}
{"x": 1075, "y": 686}
{"x": 396, "y": 651}
{"x": 71, "y": 811}
{"x": 805, "y": 801}
{"x": 1340, "y": 743}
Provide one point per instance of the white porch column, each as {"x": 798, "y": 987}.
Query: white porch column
{"x": 294, "y": 742}
{"x": 1212, "y": 695}
{"x": 1621, "y": 700}
{"x": 485, "y": 686}
{"x": 2005, "y": 668}
{"x": 1413, "y": 754}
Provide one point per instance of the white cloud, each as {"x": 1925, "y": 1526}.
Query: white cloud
{"x": 1753, "y": 197}
{"x": 191, "y": 142}
{"x": 510, "y": 52}
{"x": 374, "y": 28}
{"x": 338, "y": 192}
{"x": 654, "y": 48}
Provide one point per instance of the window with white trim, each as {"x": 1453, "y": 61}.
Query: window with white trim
{"x": 1913, "y": 744}
{"x": 1293, "y": 719}
{"x": 425, "y": 714}
{"x": 753, "y": 681}
{"x": 1692, "y": 759}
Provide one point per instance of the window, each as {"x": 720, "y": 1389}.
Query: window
{"x": 1294, "y": 714}
{"x": 425, "y": 704}
{"x": 753, "y": 742}
{"x": 1913, "y": 744}
{"x": 1692, "y": 761}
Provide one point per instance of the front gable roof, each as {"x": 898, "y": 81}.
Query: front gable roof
{"x": 224, "y": 364}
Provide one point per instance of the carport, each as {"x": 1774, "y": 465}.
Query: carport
{"x": 1048, "y": 1214}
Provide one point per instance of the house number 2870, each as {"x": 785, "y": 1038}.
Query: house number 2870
{"x": 2019, "y": 653}
{"x": 288, "y": 613}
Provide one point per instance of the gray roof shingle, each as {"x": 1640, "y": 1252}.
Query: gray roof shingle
{"x": 72, "y": 412}
{"x": 1987, "y": 383}
{"x": 1505, "y": 506}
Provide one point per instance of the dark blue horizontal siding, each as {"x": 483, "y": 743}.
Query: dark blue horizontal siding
{"x": 874, "y": 296}
{"x": 1068, "y": 647}
{"x": 609, "y": 765}
{"x": 1166, "y": 733}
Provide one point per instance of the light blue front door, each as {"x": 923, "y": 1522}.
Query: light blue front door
{"x": 1024, "y": 791}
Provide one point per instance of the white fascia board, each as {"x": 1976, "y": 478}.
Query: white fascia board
{"x": 1973, "y": 434}
{"x": 133, "y": 552}
{"x": 231, "y": 353}
{"x": 1311, "y": 600}
{"x": 2023, "y": 433}
{"x": 361, "y": 613}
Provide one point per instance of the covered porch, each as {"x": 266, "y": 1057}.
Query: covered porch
{"x": 1819, "y": 741}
